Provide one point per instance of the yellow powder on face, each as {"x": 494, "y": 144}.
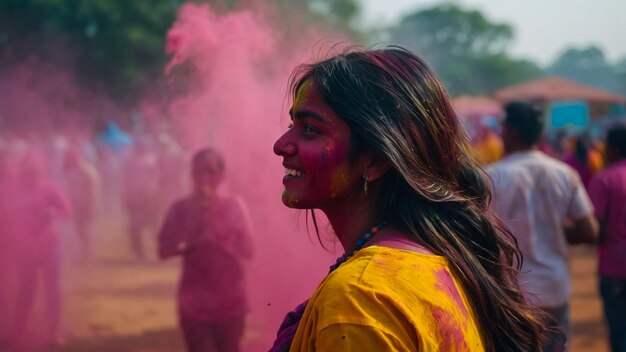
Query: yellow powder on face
{"x": 303, "y": 94}
{"x": 339, "y": 181}
{"x": 290, "y": 200}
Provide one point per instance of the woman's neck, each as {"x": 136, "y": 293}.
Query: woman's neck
{"x": 393, "y": 238}
{"x": 349, "y": 223}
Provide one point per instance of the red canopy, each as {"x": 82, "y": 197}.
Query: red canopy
{"x": 556, "y": 88}
{"x": 468, "y": 106}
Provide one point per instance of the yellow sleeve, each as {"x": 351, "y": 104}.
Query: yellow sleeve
{"x": 356, "y": 337}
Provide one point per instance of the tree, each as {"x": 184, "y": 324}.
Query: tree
{"x": 326, "y": 15}
{"x": 620, "y": 69}
{"x": 588, "y": 66}
{"x": 118, "y": 45}
{"x": 466, "y": 49}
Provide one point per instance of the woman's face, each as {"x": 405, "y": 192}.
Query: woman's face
{"x": 207, "y": 176}
{"x": 316, "y": 149}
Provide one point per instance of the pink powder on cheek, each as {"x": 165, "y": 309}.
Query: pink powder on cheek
{"x": 317, "y": 168}
{"x": 339, "y": 181}
{"x": 336, "y": 151}
{"x": 330, "y": 147}
{"x": 332, "y": 167}
{"x": 451, "y": 337}
{"x": 446, "y": 284}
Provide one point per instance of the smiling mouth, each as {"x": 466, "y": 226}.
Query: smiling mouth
{"x": 294, "y": 172}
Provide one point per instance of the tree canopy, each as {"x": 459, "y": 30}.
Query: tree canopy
{"x": 118, "y": 45}
{"x": 466, "y": 49}
{"x": 588, "y": 66}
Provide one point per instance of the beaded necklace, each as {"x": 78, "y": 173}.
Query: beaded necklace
{"x": 288, "y": 328}
{"x": 360, "y": 242}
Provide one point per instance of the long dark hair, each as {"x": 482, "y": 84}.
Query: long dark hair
{"x": 396, "y": 107}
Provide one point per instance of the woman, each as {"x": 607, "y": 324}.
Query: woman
{"x": 36, "y": 205}
{"x": 210, "y": 231}
{"x": 375, "y": 144}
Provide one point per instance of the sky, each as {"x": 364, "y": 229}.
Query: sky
{"x": 543, "y": 28}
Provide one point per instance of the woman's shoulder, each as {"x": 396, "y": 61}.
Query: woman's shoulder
{"x": 410, "y": 260}
{"x": 382, "y": 268}
{"x": 380, "y": 287}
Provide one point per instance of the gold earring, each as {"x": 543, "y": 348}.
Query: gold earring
{"x": 365, "y": 184}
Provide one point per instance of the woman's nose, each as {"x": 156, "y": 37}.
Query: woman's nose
{"x": 284, "y": 146}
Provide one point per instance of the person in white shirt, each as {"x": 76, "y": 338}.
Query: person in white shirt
{"x": 544, "y": 203}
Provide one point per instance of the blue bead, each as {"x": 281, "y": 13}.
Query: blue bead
{"x": 358, "y": 245}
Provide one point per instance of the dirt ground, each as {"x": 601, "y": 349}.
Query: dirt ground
{"x": 116, "y": 304}
{"x": 588, "y": 329}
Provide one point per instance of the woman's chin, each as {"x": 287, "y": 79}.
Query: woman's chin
{"x": 292, "y": 200}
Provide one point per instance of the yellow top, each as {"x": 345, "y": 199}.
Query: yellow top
{"x": 386, "y": 299}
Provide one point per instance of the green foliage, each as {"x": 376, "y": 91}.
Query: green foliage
{"x": 448, "y": 30}
{"x": 620, "y": 70}
{"x": 466, "y": 49}
{"x": 321, "y": 14}
{"x": 117, "y": 44}
{"x": 339, "y": 13}
{"x": 620, "y": 66}
{"x": 588, "y": 66}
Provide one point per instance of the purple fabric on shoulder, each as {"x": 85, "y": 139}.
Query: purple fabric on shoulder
{"x": 287, "y": 329}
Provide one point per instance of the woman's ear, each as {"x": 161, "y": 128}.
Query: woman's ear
{"x": 376, "y": 167}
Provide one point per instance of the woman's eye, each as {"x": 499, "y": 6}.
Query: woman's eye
{"x": 308, "y": 129}
{"x": 289, "y": 126}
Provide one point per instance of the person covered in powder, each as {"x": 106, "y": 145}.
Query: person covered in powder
{"x": 36, "y": 206}
{"x": 583, "y": 159}
{"x": 607, "y": 191}
{"x": 8, "y": 181}
{"x": 210, "y": 230}
{"x": 82, "y": 184}
{"x": 140, "y": 194}
{"x": 172, "y": 174}
{"x": 375, "y": 144}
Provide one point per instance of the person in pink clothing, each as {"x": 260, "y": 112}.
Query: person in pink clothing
{"x": 579, "y": 160}
{"x": 35, "y": 207}
{"x": 82, "y": 184}
{"x": 8, "y": 179}
{"x": 140, "y": 195}
{"x": 607, "y": 191}
{"x": 210, "y": 231}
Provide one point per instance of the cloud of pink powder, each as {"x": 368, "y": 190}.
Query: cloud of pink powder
{"x": 235, "y": 68}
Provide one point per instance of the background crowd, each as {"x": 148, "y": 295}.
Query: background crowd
{"x": 99, "y": 153}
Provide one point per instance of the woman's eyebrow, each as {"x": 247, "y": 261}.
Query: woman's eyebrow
{"x": 300, "y": 114}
